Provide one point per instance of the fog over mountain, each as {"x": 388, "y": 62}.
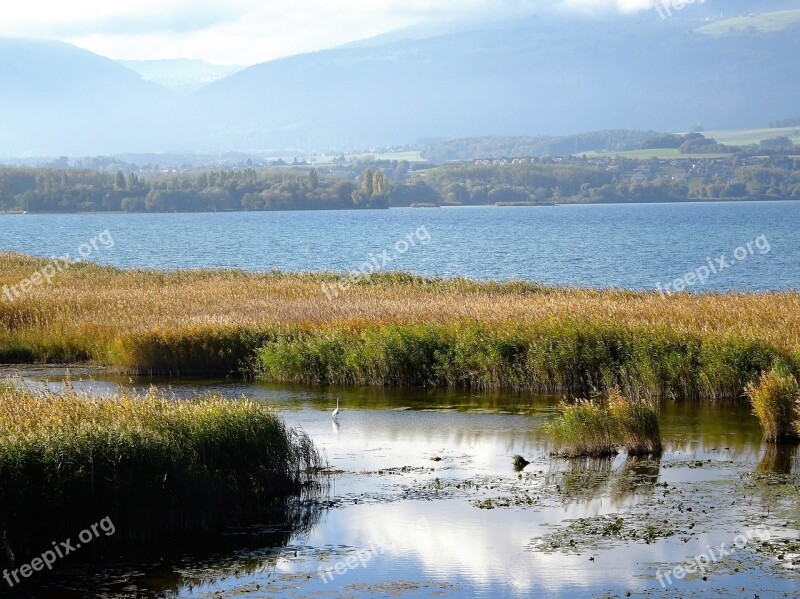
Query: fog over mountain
{"x": 543, "y": 74}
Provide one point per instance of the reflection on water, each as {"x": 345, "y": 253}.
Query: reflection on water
{"x": 167, "y": 570}
{"x": 408, "y": 454}
{"x": 780, "y": 459}
{"x": 622, "y": 480}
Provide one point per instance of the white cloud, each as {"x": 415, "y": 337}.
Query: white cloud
{"x": 248, "y": 31}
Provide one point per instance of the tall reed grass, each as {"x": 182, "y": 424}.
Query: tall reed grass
{"x": 544, "y": 357}
{"x": 775, "y": 399}
{"x": 637, "y": 424}
{"x": 398, "y": 329}
{"x": 157, "y": 466}
{"x": 584, "y": 429}
{"x": 595, "y": 428}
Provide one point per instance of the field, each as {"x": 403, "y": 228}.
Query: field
{"x": 660, "y": 153}
{"x": 396, "y": 329}
{"x": 763, "y": 22}
{"x": 729, "y": 137}
{"x": 743, "y": 137}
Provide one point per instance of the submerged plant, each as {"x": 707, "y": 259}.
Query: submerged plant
{"x": 775, "y": 399}
{"x": 520, "y": 463}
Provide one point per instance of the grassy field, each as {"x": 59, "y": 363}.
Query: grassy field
{"x": 743, "y": 137}
{"x": 154, "y": 466}
{"x": 730, "y": 137}
{"x": 660, "y": 153}
{"x": 764, "y": 22}
{"x": 397, "y": 329}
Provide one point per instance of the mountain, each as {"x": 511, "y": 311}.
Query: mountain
{"x": 57, "y": 99}
{"x": 180, "y": 75}
{"x": 724, "y": 64}
{"x": 529, "y": 77}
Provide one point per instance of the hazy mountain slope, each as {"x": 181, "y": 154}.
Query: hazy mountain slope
{"x": 535, "y": 76}
{"x": 532, "y": 77}
{"x": 181, "y": 75}
{"x": 58, "y": 99}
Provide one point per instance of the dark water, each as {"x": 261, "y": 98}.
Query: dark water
{"x": 417, "y": 526}
{"x": 631, "y": 246}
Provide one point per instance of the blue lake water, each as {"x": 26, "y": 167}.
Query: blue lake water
{"x": 632, "y": 246}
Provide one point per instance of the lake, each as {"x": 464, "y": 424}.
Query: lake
{"x": 630, "y": 246}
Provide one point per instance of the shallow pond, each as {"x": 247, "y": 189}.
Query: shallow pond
{"x": 423, "y": 501}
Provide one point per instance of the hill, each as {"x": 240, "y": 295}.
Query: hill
{"x": 533, "y": 77}
{"x": 181, "y": 75}
{"x": 539, "y": 76}
{"x": 60, "y": 99}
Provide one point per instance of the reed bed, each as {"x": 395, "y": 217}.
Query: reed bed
{"x": 158, "y": 467}
{"x": 775, "y": 399}
{"x": 637, "y": 424}
{"x": 583, "y": 429}
{"x": 398, "y": 329}
{"x": 595, "y": 428}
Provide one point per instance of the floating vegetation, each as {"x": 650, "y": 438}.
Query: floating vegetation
{"x": 520, "y": 463}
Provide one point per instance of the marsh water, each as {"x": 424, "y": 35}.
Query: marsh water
{"x": 421, "y": 497}
{"x": 631, "y": 246}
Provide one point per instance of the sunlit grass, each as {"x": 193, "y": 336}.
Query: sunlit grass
{"x": 595, "y": 428}
{"x": 637, "y": 424}
{"x": 776, "y": 403}
{"x": 584, "y": 429}
{"x": 398, "y": 329}
{"x": 157, "y": 466}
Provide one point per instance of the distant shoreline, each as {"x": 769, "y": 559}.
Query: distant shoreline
{"x": 562, "y": 202}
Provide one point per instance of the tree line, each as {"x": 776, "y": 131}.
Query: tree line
{"x": 545, "y": 180}
{"x": 70, "y": 190}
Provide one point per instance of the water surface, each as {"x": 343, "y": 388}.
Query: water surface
{"x": 423, "y": 483}
{"x": 631, "y": 246}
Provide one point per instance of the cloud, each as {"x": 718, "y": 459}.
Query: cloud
{"x": 250, "y": 31}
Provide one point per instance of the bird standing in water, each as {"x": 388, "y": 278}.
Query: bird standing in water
{"x": 336, "y": 411}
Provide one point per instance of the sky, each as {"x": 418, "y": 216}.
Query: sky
{"x": 247, "y": 32}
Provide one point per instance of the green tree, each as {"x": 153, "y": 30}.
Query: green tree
{"x": 119, "y": 182}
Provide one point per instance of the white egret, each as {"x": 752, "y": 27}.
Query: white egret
{"x": 336, "y": 411}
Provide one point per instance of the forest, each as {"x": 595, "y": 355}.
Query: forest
{"x": 383, "y": 184}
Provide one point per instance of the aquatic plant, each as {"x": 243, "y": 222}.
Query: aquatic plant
{"x": 594, "y": 428}
{"x": 775, "y": 399}
{"x": 520, "y": 463}
{"x": 398, "y": 329}
{"x": 159, "y": 467}
{"x": 583, "y": 429}
{"x": 637, "y": 424}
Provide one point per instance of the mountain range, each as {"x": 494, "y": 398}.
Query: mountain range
{"x": 725, "y": 64}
